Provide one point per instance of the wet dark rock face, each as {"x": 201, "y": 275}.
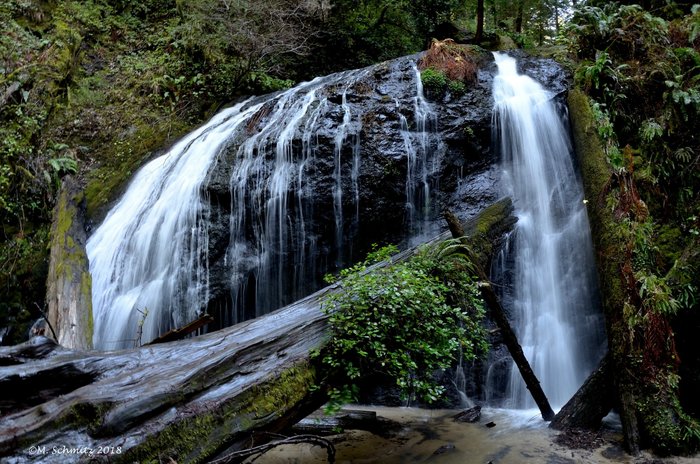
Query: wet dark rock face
{"x": 370, "y": 165}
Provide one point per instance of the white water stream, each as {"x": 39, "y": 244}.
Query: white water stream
{"x": 553, "y": 285}
{"x": 147, "y": 259}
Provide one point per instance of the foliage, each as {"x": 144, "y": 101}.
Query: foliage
{"x": 148, "y": 71}
{"x": 242, "y": 41}
{"x": 645, "y": 75}
{"x": 358, "y": 33}
{"x": 403, "y": 321}
{"x": 642, "y": 71}
{"x": 433, "y": 80}
{"x": 623, "y": 30}
{"x": 449, "y": 66}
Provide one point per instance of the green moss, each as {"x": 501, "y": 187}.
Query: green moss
{"x": 457, "y": 88}
{"x": 86, "y": 295}
{"x": 433, "y": 80}
{"x": 667, "y": 427}
{"x": 491, "y": 216}
{"x": 198, "y": 437}
{"x": 491, "y": 223}
{"x": 604, "y": 228}
{"x": 87, "y": 415}
{"x": 592, "y": 159}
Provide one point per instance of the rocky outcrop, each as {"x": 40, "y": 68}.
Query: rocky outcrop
{"x": 299, "y": 184}
{"x": 372, "y": 161}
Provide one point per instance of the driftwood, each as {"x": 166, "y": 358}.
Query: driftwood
{"x": 192, "y": 400}
{"x": 470, "y": 415}
{"x": 509, "y": 338}
{"x": 182, "y": 332}
{"x": 592, "y": 402}
{"x": 259, "y": 450}
{"x": 321, "y": 424}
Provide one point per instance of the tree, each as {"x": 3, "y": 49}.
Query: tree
{"x": 645, "y": 226}
{"x": 479, "y": 20}
{"x": 245, "y": 38}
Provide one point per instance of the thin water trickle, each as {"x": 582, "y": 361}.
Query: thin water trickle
{"x": 553, "y": 288}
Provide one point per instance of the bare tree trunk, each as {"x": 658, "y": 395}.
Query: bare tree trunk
{"x": 519, "y": 17}
{"x": 494, "y": 14}
{"x": 479, "y": 21}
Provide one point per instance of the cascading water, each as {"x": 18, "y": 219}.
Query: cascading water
{"x": 553, "y": 285}
{"x": 420, "y": 164}
{"x": 147, "y": 259}
{"x": 151, "y": 259}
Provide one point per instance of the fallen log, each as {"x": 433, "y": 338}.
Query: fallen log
{"x": 190, "y": 400}
{"x": 470, "y": 415}
{"x": 592, "y": 402}
{"x": 321, "y": 424}
{"x": 499, "y": 317}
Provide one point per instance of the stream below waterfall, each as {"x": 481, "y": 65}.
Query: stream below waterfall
{"x": 432, "y": 436}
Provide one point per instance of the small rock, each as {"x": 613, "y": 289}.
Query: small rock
{"x": 444, "y": 449}
{"x": 470, "y": 415}
{"x": 491, "y": 425}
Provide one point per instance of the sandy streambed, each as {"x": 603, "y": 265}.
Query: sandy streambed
{"x": 432, "y": 436}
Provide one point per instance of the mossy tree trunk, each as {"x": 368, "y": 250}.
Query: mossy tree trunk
{"x": 642, "y": 356}
{"x": 591, "y": 403}
{"x": 69, "y": 285}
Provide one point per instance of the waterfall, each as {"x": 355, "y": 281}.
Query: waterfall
{"x": 147, "y": 259}
{"x": 151, "y": 259}
{"x": 552, "y": 288}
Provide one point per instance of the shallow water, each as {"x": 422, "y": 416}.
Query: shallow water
{"x": 518, "y": 437}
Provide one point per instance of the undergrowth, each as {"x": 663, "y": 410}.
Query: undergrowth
{"x": 401, "y": 322}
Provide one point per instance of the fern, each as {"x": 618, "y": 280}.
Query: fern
{"x": 64, "y": 165}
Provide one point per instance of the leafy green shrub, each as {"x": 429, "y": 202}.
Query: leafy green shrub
{"x": 403, "y": 321}
{"x": 433, "y": 80}
{"x": 457, "y": 88}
